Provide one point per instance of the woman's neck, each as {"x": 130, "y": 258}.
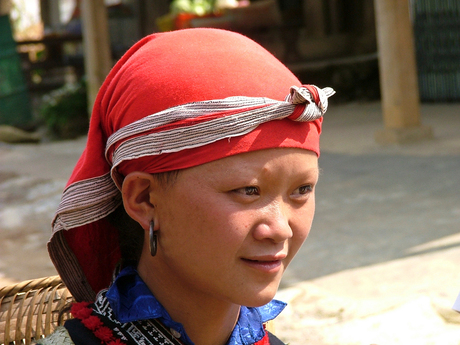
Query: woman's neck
{"x": 207, "y": 326}
{"x": 207, "y": 320}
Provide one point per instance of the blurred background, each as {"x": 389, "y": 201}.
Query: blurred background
{"x": 382, "y": 263}
{"x": 330, "y": 42}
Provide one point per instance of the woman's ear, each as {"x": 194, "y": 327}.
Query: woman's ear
{"x": 136, "y": 192}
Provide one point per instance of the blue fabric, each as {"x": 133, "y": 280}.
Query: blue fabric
{"x": 131, "y": 300}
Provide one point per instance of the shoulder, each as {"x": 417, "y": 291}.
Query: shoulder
{"x": 59, "y": 337}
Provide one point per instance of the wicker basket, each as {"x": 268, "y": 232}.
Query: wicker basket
{"x": 32, "y": 309}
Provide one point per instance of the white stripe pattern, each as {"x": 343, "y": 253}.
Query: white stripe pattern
{"x": 86, "y": 201}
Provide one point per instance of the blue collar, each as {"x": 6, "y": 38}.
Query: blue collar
{"x": 131, "y": 300}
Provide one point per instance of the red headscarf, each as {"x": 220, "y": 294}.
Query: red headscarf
{"x": 173, "y": 101}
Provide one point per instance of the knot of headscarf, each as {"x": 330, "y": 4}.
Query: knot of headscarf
{"x": 313, "y": 100}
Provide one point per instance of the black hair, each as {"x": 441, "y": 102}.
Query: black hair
{"x": 130, "y": 232}
{"x": 130, "y": 236}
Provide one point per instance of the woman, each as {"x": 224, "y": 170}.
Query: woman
{"x": 194, "y": 192}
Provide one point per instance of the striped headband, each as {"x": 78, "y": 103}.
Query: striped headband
{"x": 176, "y": 129}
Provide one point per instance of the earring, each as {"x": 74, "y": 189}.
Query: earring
{"x": 153, "y": 239}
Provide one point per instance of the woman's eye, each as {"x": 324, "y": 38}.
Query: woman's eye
{"x": 304, "y": 189}
{"x": 250, "y": 190}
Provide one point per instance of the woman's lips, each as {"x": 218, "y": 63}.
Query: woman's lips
{"x": 266, "y": 264}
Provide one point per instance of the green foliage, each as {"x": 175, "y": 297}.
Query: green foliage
{"x": 65, "y": 111}
{"x": 198, "y": 7}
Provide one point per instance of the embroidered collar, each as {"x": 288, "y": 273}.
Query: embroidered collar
{"x": 131, "y": 300}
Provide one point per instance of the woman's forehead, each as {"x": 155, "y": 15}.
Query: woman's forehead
{"x": 286, "y": 159}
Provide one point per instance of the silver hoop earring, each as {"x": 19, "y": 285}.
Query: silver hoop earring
{"x": 153, "y": 239}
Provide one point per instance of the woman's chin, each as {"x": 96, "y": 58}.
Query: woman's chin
{"x": 261, "y": 298}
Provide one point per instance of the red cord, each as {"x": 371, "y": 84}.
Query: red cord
{"x": 83, "y": 312}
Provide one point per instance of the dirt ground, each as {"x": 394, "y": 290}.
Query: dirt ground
{"x": 32, "y": 178}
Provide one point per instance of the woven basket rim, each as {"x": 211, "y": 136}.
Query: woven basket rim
{"x": 31, "y": 284}
{"x": 32, "y": 309}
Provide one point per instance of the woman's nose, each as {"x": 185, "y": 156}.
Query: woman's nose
{"x": 274, "y": 224}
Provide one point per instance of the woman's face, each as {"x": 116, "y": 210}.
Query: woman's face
{"x": 228, "y": 229}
